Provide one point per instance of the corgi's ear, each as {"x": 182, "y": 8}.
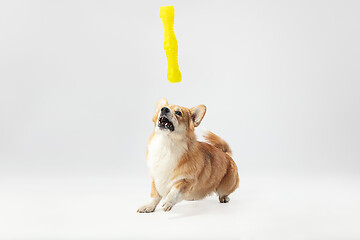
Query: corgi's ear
{"x": 197, "y": 114}
{"x": 162, "y": 102}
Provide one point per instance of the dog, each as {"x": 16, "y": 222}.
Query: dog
{"x": 183, "y": 168}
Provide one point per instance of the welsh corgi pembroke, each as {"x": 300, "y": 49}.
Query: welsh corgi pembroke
{"x": 180, "y": 166}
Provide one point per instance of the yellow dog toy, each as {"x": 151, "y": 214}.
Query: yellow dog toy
{"x": 170, "y": 44}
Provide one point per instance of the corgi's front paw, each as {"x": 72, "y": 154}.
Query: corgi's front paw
{"x": 146, "y": 209}
{"x": 168, "y": 206}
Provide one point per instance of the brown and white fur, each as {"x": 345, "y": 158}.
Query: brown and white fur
{"x": 181, "y": 167}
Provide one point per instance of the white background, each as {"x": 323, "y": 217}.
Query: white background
{"x": 79, "y": 81}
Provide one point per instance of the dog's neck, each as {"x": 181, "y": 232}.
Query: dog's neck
{"x": 184, "y": 141}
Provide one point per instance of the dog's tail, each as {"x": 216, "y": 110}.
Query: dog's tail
{"x": 218, "y": 142}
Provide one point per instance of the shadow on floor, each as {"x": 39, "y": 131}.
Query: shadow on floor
{"x": 208, "y": 206}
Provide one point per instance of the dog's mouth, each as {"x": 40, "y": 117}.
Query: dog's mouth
{"x": 165, "y": 123}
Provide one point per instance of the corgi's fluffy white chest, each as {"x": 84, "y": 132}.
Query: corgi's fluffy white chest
{"x": 162, "y": 158}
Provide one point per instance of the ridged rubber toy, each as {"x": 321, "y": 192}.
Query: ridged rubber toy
{"x": 167, "y": 15}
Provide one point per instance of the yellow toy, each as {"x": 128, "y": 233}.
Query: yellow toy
{"x": 170, "y": 44}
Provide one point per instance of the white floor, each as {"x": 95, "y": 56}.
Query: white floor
{"x": 275, "y": 206}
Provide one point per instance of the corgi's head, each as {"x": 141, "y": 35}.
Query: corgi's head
{"x": 175, "y": 120}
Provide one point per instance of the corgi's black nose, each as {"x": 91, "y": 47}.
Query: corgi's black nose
{"x": 165, "y": 110}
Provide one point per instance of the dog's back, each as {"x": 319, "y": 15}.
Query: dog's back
{"x": 218, "y": 142}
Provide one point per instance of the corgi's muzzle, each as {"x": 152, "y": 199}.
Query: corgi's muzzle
{"x": 164, "y": 121}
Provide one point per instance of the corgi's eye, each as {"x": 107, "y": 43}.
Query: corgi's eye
{"x": 178, "y": 113}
